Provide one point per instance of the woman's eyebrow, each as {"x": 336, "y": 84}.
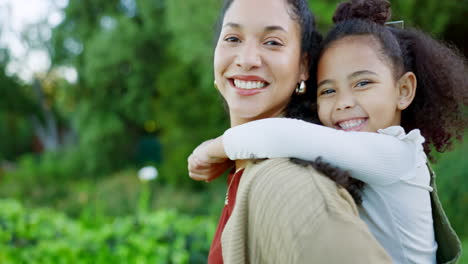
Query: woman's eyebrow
{"x": 274, "y": 28}
{"x": 267, "y": 28}
{"x": 231, "y": 24}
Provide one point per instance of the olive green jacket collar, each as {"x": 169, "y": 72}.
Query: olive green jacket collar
{"x": 449, "y": 246}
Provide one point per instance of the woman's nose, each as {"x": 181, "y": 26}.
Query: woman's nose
{"x": 249, "y": 57}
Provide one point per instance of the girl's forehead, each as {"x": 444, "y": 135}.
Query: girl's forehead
{"x": 351, "y": 54}
{"x": 360, "y": 47}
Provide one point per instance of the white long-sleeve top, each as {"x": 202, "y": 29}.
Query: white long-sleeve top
{"x": 396, "y": 203}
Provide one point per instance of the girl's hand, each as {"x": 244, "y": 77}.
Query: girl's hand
{"x": 208, "y": 161}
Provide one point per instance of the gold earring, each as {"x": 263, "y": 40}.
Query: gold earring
{"x": 215, "y": 84}
{"x": 301, "y": 88}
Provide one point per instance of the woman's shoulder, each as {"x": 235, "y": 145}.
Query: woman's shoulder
{"x": 276, "y": 180}
{"x": 281, "y": 210}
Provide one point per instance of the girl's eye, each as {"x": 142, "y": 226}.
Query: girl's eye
{"x": 327, "y": 91}
{"x": 232, "y": 39}
{"x": 363, "y": 83}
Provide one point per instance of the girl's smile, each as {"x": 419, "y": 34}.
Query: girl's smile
{"x": 357, "y": 90}
{"x": 353, "y": 124}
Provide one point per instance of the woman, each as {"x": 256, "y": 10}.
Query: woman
{"x": 277, "y": 211}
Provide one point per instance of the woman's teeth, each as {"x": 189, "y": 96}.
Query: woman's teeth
{"x": 346, "y": 125}
{"x": 248, "y": 84}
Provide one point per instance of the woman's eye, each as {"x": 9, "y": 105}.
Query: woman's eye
{"x": 327, "y": 91}
{"x": 232, "y": 39}
{"x": 273, "y": 43}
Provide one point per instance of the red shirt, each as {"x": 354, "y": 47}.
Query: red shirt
{"x": 216, "y": 256}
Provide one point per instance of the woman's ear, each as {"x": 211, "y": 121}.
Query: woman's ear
{"x": 406, "y": 90}
{"x": 304, "y": 74}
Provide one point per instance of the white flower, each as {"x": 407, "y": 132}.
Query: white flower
{"x": 148, "y": 173}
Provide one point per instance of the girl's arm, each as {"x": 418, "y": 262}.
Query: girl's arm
{"x": 208, "y": 161}
{"x": 370, "y": 157}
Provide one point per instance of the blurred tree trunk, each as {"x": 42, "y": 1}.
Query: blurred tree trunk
{"x": 45, "y": 128}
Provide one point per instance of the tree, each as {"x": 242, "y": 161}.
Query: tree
{"x": 14, "y": 104}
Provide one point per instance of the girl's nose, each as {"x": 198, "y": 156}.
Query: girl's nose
{"x": 344, "y": 101}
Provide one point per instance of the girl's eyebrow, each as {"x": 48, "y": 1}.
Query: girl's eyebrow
{"x": 327, "y": 81}
{"x": 363, "y": 72}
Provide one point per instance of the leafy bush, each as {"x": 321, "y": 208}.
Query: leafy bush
{"x": 47, "y": 236}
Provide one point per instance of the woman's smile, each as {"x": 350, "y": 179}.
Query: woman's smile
{"x": 247, "y": 85}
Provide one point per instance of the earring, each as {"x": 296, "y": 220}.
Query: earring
{"x": 215, "y": 84}
{"x": 301, "y": 88}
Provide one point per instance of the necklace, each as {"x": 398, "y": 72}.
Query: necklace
{"x": 226, "y": 200}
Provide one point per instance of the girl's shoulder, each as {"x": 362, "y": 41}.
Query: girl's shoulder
{"x": 413, "y": 139}
{"x": 414, "y": 136}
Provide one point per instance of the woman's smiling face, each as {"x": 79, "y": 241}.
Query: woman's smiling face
{"x": 257, "y": 60}
{"x": 356, "y": 90}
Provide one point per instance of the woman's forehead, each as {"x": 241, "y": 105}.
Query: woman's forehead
{"x": 261, "y": 14}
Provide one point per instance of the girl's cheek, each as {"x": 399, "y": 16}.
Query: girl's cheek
{"x": 320, "y": 113}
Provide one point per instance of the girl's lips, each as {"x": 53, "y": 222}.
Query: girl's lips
{"x": 354, "y": 124}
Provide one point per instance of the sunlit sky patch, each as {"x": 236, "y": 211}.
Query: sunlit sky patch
{"x": 16, "y": 17}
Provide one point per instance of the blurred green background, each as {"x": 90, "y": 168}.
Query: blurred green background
{"x": 70, "y": 150}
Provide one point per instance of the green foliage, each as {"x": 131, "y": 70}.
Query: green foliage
{"x": 17, "y": 136}
{"x": 188, "y": 108}
{"x": 117, "y": 57}
{"x": 39, "y": 182}
{"x": 16, "y": 106}
{"x": 46, "y": 236}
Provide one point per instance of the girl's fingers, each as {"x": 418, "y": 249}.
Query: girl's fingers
{"x": 205, "y": 171}
{"x": 197, "y": 177}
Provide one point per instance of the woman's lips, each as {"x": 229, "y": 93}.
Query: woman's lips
{"x": 248, "y": 85}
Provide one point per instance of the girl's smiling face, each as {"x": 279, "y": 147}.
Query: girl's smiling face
{"x": 357, "y": 90}
{"x": 257, "y": 62}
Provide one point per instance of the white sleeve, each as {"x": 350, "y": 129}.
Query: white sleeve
{"x": 370, "y": 157}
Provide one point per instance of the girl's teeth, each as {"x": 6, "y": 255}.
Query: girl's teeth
{"x": 248, "y": 84}
{"x": 351, "y": 124}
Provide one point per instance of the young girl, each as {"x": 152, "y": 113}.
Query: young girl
{"x": 374, "y": 82}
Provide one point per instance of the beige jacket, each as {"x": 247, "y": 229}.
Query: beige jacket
{"x": 287, "y": 213}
